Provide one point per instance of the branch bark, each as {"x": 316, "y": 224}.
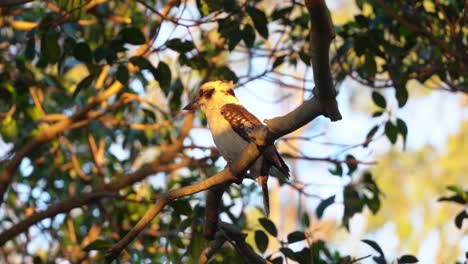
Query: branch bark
{"x": 49, "y": 133}
{"x": 323, "y": 103}
{"x": 159, "y": 165}
{"x": 5, "y": 3}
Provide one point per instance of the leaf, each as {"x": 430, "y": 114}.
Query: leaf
{"x": 305, "y": 219}
{"x": 269, "y": 226}
{"x": 248, "y": 35}
{"x": 122, "y": 74}
{"x": 338, "y": 171}
{"x": 104, "y": 53}
{"x": 82, "y": 52}
{"x": 132, "y": 35}
{"x": 260, "y": 20}
{"x": 403, "y": 129}
{"x": 261, "y": 240}
{"x": 391, "y": 132}
{"x": 164, "y": 75}
{"x": 85, "y": 83}
{"x": 277, "y": 260}
{"x": 50, "y": 48}
{"x": 407, "y": 259}
{"x": 234, "y": 38}
{"x": 289, "y": 253}
{"x": 296, "y": 236}
{"x": 182, "y": 206}
{"x": 370, "y": 135}
{"x": 141, "y": 62}
{"x": 379, "y": 100}
{"x": 375, "y": 246}
{"x": 377, "y": 114}
{"x": 351, "y": 162}
{"x": 323, "y": 205}
{"x": 459, "y": 218}
{"x": 225, "y": 73}
{"x": 401, "y": 95}
{"x": 180, "y": 46}
{"x": 98, "y": 244}
{"x": 305, "y": 57}
{"x": 454, "y": 198}
{"x": 278, "y": 61}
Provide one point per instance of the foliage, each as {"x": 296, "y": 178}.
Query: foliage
{"x": 75, "y": 78}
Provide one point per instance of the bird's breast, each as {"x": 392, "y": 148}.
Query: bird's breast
{"x": 228, "y": 142}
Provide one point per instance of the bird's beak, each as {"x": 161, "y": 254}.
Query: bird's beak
{"x": 192, "y": 106}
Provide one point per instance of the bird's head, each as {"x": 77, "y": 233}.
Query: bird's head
{"x": 213, "y": 95}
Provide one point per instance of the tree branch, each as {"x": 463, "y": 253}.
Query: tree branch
{"x": 159, "y": 165}
{"x": 323, "y": 103}
{"x": 5, "y": 3}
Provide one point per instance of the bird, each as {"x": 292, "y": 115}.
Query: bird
{"x": 230, "y": 124}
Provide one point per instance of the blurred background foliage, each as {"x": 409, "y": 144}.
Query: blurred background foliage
{"x": 91, "y": 95}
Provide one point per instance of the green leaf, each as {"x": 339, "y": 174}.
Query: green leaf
{"x": 391, "y": 132}
{"x": 454, "y": 198}
{"x": 377, "y": 114}
{"x": 370, "y": 135}
{"x": 296, "y": 236}
{"x": 277, "y": 260}
{"x": 85, "y": 83}
{"x": 182, "y": 206}
{"x": 164, "y": 75}
{"x": 278, "y": 61}
{"x": 248, "y": 35}
{"x": 407, "y": 259}
{"x": 401, "y": 95}
{"x": 269, "y": 226}
{"x": 82, "y": 52}
{"x": 225, "y": 73}
{"x": 141, "y": 62}
{"x": 305, "y": 219}
{"x": 261, "y": 240}
{"x": 132, "y": 35}
{"x": 289, "y": 253}
{"x": 351, "y": 162}
{"x": 374, "y": 245}
{"x": 122, "y": 74}
{"x": 260, "y": 20}
{"x": 338, "y": 170}
{"x": 176, "y": 92}
{"x": 234, "y": 38}
{"x": 98, "y": 244}
{"x": 379, "y": 100}
{"x": 30, "y": 51}
{"x": 323, "y": 205}
{"x": 50, "y": 48}
{"x": 180, "y": 46}
{"x": 460, "y": 217}
{"x": 305, "y": 57}
{"x": 403, "y": 129}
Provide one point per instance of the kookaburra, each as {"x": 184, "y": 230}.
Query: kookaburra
{"x": 230, "y": 125}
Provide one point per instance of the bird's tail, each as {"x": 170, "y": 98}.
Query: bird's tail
{"x": 263, "y": 181}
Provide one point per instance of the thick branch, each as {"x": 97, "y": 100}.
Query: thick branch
{"x": 159, "y": 165}
{"x": 229, "y": 174}
{"x": 13, "y": 2}
{"x": 321, "y": 35}
{"x": 324, "y": 103}
{"x": 237, "y": 238}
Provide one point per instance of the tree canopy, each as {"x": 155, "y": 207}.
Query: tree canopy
{"x": 91, "y": 96}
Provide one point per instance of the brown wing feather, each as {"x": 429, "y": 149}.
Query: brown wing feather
{"x": 242, "y": 121}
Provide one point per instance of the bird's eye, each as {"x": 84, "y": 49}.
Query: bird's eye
{"x": 209, "y": 93}
{"x": 200, "y": 93}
